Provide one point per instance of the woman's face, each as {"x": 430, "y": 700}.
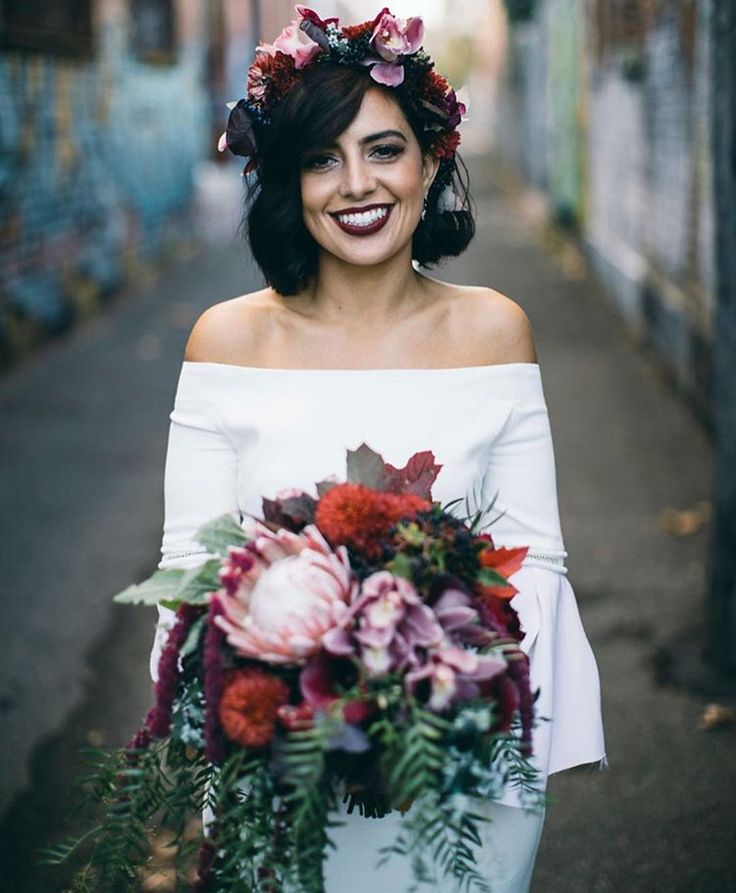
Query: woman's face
{"x": 377, "y": 164}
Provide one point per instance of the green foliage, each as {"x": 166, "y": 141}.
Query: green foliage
{"x": 515, "y": 769}
{"x": 198, "y": 582}
{"x": 488, "y": 577}
{"x": 307, "y": 801}
{"x": 172, "y": 586}
{"x": 414, "y": 760}
{"x": 188, "y": 716}
{"x": 135, "y": 791}
{"x": 158, "y": 586}
{"x": 220, "y": 533}
{"x": 272, "y": 808}
{"x": 273, "y": 832}
{"x": 448, "y": 829}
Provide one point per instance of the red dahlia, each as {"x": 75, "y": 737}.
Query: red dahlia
{"x": 357, "y": 516}
{"x": 249, "y": 706}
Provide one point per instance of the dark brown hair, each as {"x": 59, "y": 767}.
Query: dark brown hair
{"x": 313, "y": 114}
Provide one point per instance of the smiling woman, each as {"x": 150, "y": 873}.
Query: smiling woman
{"x": 365, "y": 186}
{"x": 340, "y": 143}
{"x": 352, "y": 178}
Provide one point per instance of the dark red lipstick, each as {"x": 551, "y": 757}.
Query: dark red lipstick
{"x": 381, "y": 212}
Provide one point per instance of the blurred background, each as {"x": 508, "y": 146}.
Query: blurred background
{"x": 601, "y": 143}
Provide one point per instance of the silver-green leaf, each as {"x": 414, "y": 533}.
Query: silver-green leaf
{"x": 218, "y": 534}
{"x": 161, "y": 584}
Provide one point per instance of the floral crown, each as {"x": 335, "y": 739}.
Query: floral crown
{"x": 390, "y": 46}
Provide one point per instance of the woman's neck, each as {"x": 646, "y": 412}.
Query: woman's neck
{"x": 368, "y": 297}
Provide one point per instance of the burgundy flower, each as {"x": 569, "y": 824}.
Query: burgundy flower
{"x": 158, "y": 720}
{"x": 519, "y": 670}
{"x": 311, "y": 16}
{"x": 205, "y": 860}
{"x": 455, "y": 109}
{"x": 213, "y": 681}
{"x": 319, "y": 681}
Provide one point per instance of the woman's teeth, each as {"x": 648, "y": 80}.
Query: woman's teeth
{"x": 364, "y": 219}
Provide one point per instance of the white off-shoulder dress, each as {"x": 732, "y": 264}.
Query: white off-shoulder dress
{"x": 239, "y": 433}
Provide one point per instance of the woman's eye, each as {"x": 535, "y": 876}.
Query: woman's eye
{"x": 392, "y": 151}
{"x": 312, "y": 163}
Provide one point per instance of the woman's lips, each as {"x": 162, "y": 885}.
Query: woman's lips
{"x": 355, "y": 230}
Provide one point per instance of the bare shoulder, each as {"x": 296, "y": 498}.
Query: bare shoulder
{"x": 231, "y": 330}
{"x": 497, "y": 326}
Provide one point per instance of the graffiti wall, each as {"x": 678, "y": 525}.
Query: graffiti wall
{"x": 97, "y": 149}
{"x": 614, "y": 98}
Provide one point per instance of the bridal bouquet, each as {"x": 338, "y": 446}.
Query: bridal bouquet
{"x": 357, "y": 646}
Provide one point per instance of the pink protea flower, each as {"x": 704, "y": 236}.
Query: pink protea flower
{"x": 385, "y": 624}
{"x": 282, "y": 593}
{"x": 295, "y": 43}
{"x": 453, "y": 673}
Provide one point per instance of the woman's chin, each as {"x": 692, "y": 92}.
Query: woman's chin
{"x": 364, "y": 254}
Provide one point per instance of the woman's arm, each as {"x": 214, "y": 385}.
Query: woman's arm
{"x": 521, "y": 475}
{"x": 200, "y": 482}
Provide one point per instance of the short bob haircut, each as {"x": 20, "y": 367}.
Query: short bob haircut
{"x": 319, "y": 107}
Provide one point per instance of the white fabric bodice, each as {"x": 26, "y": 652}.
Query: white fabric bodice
{"x": 241, "y": 433}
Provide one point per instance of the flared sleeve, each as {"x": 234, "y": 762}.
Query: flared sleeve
{"x": 520, "y": 482}
{"x": 200, "y": 482}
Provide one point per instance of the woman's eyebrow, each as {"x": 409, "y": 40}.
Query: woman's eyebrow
{"x": 374, "y": 136}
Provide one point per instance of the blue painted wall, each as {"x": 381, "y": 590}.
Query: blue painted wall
{"x": 96, "y": 171}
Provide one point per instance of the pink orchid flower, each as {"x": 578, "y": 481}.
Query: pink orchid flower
{"x": 453, "y": 673}
{"x": 293, "y": 42}
{"x": 385, "y": 625}
{"x": 391, "y": 39}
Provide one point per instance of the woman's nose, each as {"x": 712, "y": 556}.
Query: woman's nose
{"x": 357, "y": 178}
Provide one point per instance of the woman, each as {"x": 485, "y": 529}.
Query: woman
{"x": 352, "y": 175}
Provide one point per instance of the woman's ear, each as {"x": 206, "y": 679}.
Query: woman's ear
{"x": 430, "y": 164}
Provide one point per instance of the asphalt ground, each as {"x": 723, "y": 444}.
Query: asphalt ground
{"x": 83, "y": 445}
